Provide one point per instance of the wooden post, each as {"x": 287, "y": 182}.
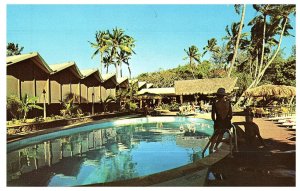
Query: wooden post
{"x": 19, "y": 89}
{"x": 79, "y": 91}
{"x": 48, "y": 91}
{"x": 61, "y": 97}
{"x": 181, "y": 99}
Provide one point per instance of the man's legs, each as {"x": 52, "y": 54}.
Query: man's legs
{"x": 213, "y": 141}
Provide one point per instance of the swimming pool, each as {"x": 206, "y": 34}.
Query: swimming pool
{"x": 107, "y": 151}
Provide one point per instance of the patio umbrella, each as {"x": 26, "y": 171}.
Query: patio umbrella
{"x": 279, "y": 91}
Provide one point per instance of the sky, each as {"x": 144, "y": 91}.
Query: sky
{"x": 61, "y": 33}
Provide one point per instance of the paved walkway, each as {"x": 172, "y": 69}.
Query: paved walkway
{"x": 274, "y": 165}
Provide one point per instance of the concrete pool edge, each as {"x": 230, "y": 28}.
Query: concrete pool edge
{"x": 166, "y": 177}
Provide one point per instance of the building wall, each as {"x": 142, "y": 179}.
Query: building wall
{"x": 97, "y": 94}
{"x": 32, "y": 80}
{"x": 55, "y": 91}
{"x": 12, "y": 86}
{"x": 103, "y": 93}
{"x": 84, "y": 91}
{"x": 27, "y": 78}
{"x": 40, "y": 86}
{"x": 76, "y": 91}
{"x": 62, "y": 84}
{"x": 90, "y": 92}
{"x": 111, "y": 92}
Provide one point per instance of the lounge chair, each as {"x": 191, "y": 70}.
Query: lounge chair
{"x": 279, "y": 118}
{"x": 287, "y": 120}
{"x": 289, "y": 124}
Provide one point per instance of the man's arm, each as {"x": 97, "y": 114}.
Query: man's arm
{"x": 230, "y": 111}
{"x": 213, "y": 112}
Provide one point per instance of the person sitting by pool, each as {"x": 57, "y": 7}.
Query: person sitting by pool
{"x": 221, "y": 115}
{"x": 252, "y": 132}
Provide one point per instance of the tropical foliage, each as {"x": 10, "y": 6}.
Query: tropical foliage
{"x": 13, "y": 106}
{"x": 166, "y": 78}
{"x": 115, "y": 48}
{"x": 13, "y": 49}
{"x": 28, "y": 103}
{"x": 254, "y": 56}
{"x": 107, "y": 101}
{"x": 69, "y": 107}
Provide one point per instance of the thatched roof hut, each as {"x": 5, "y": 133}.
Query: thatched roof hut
{"x": 271, "y": 90}
{"x": 204, "y": 86}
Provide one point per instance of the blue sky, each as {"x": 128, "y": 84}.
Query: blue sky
{"x": 61, "y": 32}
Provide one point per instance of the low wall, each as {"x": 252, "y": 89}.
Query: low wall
{"x": 25, "y": 128}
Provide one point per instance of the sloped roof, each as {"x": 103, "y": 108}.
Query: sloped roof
{"x": 149, "y": 85}
{"x": 109, "y": 80}
{"x": 61, "y": 66}
{"x": 10, "y": 60}
{"x": 160, "y": 91}
{"x": 141, "y": 84}
{"x": 204, "y": 86}
{"x": 108, "y": 76}
{"x": 123, "y": 82}
{"x": 87, "y": 72}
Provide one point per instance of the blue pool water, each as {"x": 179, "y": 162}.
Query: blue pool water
{"x": 107, "y": 151}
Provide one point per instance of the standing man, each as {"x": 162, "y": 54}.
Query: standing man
{"x": 221, "y": 115}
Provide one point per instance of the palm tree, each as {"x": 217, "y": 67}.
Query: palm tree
{"x": 107, "y": 101}
{"x": 211, "y": 47}
{"x": 102, "y": 44}
{"x": 114, "y": 48}
{"x": 120, "y": 43}
{"x": 278, "y": 25}
{"x": 68, "y": 105}
{"x": 237, "y": 8}
{"x": 27, "y": 104}
{"x": 193, "y": 54}
{"x": 13, "y": 49}
{"x": 231, "y": 37}
{"x": 107, "y": 62}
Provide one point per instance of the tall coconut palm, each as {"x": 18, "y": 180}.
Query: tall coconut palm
{"x": 193, "y": 54}
{"x": 237, "y": 8}
{"x": 211, "y": 47}
{"x": 102, "y": 44}
{"x": 278, "y": 26}
{"x": 13, "y": 49}
{"x": 123, "y": 57}
{"x": 231, "y": 38}
{"x": 120, "y": 42}
{"x": 107, "y": 62}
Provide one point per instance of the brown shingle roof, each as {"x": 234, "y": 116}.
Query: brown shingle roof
{"x": 204, "y": 86}
{"x": 10, "y": 60}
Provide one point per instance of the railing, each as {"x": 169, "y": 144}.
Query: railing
{"x": 230, "y": 138}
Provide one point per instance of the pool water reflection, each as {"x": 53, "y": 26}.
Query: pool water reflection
{"x": 108, "y": 154}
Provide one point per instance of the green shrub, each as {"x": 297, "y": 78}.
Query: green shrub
{"x": 131, "y": 106}
{"x": 165, "y": 106}
{"x": 13, "y": 106}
